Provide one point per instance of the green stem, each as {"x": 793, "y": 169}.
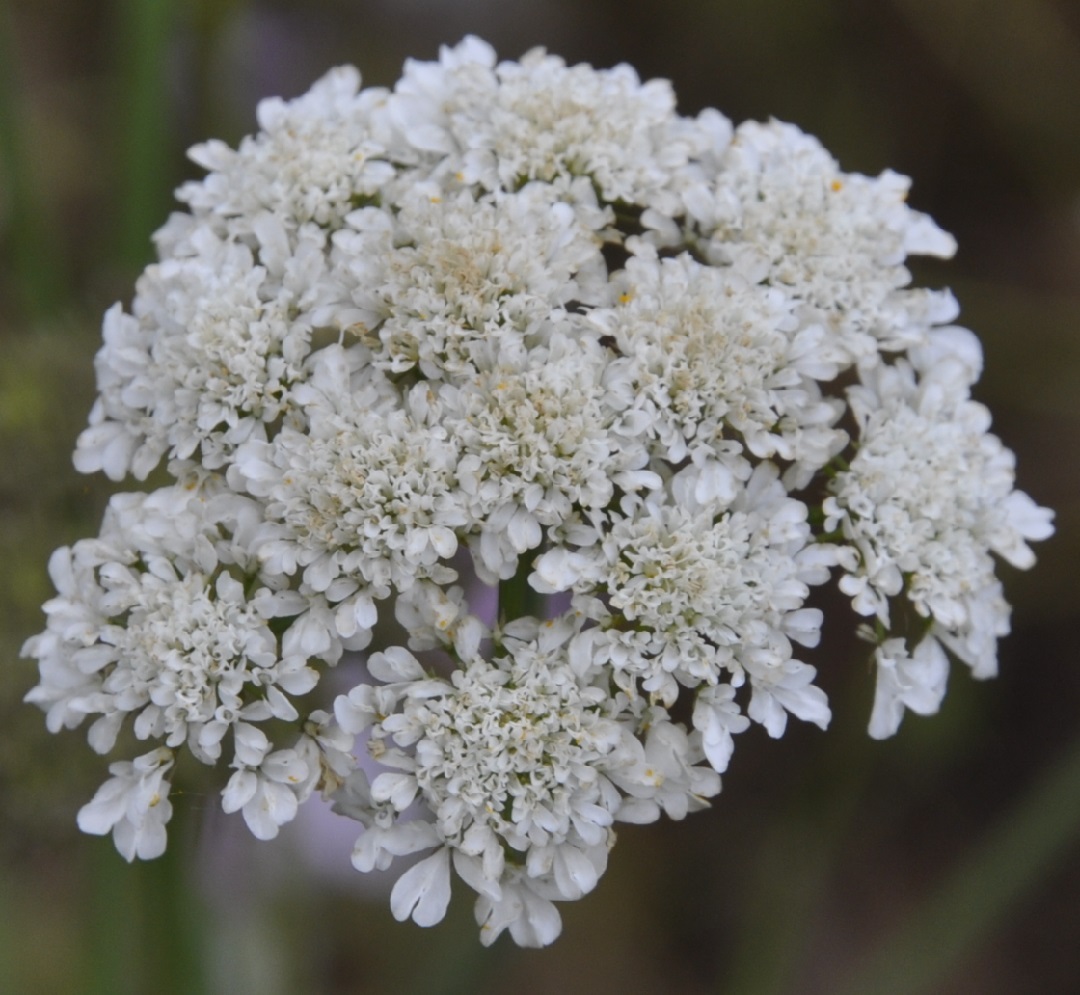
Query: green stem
{"x": 517, "y": 599}
{"x": 173, "y": 912}
{"x": 146, "y": 933}
{"x": 113, "y": 959}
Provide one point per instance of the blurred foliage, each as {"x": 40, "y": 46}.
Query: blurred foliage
{"x": 945, "y": 860}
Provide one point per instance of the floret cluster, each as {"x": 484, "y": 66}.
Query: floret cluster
{"x": 520, "y": 331}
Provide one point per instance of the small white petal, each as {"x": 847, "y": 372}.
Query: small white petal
{"x": 423, "y": 891}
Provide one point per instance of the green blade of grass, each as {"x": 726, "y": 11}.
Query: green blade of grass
{"x": 39, "y": 281}
{"x": 978, "y": 895}
{"x": 145, "y": 149}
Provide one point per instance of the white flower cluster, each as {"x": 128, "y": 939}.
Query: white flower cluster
{"x": 517, "y": 326}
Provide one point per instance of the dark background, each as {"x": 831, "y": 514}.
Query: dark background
{"x": 944, "y": 860}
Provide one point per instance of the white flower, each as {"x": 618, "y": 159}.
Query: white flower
{"x": 438, "y": 618}
{"x": 166, "y": 637}
{"x": 313, "y": 158}
{"x": 511, "y": 758}
{"x": 542, "y": 120}
{"x": 915, "y": 681}
{"x": 521, "y": 907}
{"x": 665, "y": 775}
{"x": 422, "y": 893}
{"x": 688, "y": 596}
{"x": 365, "y": 497}
{"x": 785, "y": 214}
{"x": 450, "y": 278}
{"x": 207, "y": 360}
{"x": 266, "y": 792}
{"x": 717, "y": 717}
{"x": 134, "y": 805}
{"x": 514, "y": 749}
{"x": 710, "y": 357}
{"x": 927, "y": 498}
{"x": 561, "y": 403}
{"x": 537, "y": 441}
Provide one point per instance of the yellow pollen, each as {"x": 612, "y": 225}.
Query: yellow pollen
{"x": 836, "y": 186}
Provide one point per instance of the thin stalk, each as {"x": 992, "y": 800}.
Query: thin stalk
{"x": 517, "y": 599}
{"x": 173, "y": 911}
{"x": 111, "y": 936}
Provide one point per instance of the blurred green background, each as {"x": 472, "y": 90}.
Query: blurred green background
{"x": 944, "y": 860}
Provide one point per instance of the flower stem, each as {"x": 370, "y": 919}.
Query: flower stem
{"x": 517, "y": 599}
